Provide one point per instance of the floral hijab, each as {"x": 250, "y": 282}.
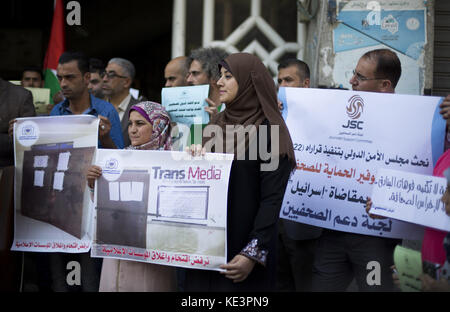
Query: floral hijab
{"x": 157, "y": 115}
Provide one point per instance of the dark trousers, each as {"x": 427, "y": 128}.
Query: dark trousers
{"x": 341, "y": 256}
{"x": 294, "y": 263}
{"x": 90, "y": 272}
{"x": 36, "y": 272}
{"x": 49, "y": 272}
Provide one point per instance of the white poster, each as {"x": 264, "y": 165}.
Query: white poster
{"x": 411, "y": 197}
{"x": 162, "y": 207}
{"x": 186, "y": 104}
{"x": 341, "y": 138}
{"x": 52, "y": 205}
{"x": 186, "y": 107}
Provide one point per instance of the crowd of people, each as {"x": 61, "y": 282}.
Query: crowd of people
{"x": 265, "y": 253}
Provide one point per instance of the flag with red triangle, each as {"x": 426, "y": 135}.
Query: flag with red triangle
{"x": 56, "y": 47}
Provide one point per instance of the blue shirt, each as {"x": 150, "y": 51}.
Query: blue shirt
{"x": 98, "y": 107}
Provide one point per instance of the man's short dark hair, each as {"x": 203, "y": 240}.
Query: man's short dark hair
{"x": 388, "y": 64}
{"x": 34, "y": 69}
{"x": 209, "y": 58}
{"x": 80, "y": 57}
{"x": 96, "y": 66}
{"x": 302, "y": 67}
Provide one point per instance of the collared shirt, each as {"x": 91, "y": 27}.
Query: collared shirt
{"x": 98, "y": 107}
{"x": 123, "y": 106}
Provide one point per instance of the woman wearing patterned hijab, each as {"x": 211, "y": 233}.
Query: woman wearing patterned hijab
{"x": 148, "y": 129}
{"x": 152, "y": 115}
{"x": 255, "y": 191}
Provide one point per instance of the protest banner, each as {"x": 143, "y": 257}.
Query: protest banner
{"x": 162, "y": 207}
{"x": 410, "y": 197}
{"x": 341, "y": 138}
{"x": 185, "y": 106}
{"x": 52, "y": 205}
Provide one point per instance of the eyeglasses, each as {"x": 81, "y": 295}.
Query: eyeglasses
{"x": 360, "y": 77}
{"x": 112, "y": 75}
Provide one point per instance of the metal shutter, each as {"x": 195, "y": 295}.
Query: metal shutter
{"x": 441, "y": 61}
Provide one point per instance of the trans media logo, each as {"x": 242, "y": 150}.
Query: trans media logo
{"x": 354, "y": 110}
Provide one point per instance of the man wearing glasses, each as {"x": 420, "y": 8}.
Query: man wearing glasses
{"x": 341, "y": 257}
{"x": 117, "y": 80}
{"x": 377, "y": 71}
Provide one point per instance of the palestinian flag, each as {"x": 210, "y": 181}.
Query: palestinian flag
{"x": 56, "y": 47}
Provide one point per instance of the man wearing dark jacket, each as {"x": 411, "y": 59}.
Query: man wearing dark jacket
{"x": 296, "y": 241}
{"x": 15, "y": 102}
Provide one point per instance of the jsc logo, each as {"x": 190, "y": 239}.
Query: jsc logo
{"x": 354, "y": 110}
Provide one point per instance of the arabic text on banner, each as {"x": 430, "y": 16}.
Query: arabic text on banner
{"x": 52, "y": 205}
{"x": 157, "y": 207}
{"x": 185, "y": 106}
{"x": 411, "y": 197}
{"x": 340, "y": 140}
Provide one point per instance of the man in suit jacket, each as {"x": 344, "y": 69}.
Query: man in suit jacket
{"x": 117, "y": 80}
{"x": 15, "y": 101}
{"x": 296, "y": 241}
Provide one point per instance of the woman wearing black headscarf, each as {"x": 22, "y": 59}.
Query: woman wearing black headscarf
{"x": 257, "y": 182}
